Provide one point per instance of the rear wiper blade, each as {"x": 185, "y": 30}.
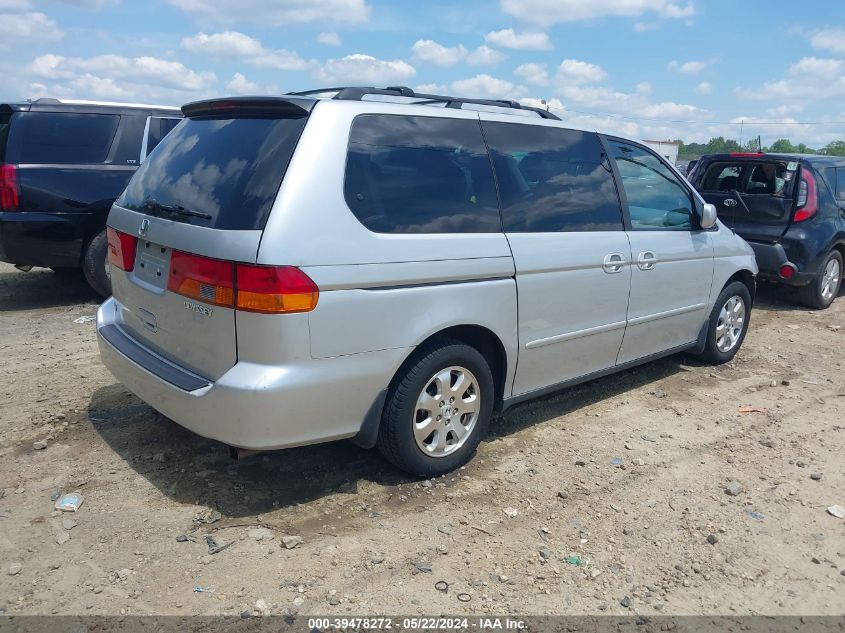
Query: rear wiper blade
{"x": 739, "y": 196}
{"x": 175, "y": 208}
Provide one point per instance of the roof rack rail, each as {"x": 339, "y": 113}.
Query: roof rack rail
{"x": 357, "y": 93}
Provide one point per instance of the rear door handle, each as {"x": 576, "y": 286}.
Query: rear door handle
{"x": 613, "y": 263}
{"x": 646, "y": 260}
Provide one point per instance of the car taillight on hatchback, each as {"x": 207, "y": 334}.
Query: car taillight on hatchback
{"x": 246, "y": 287}
{"x": 808, "y": 198}
{"x": 9, "y": 189}
{"x": 121, "y": 249}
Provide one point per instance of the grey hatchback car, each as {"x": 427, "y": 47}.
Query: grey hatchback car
{"x": 397, "y": 268}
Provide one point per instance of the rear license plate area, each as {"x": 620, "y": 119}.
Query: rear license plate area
{"x": 152, "y": 265}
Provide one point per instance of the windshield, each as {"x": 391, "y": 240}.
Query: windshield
{"x": 221, "y": 173}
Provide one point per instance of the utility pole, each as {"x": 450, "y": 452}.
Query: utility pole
{"x": 741, "y": 124}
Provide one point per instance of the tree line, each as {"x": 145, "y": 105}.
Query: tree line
{"x": 720, "y": 144}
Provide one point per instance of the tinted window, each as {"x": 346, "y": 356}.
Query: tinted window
{"x": 62, "y": 137}
{"x": 656, "y": 197}
{"x": 4, "y": 134}
{"x": 552, "y": 179}
{"x": 409, "y": 174}
{"x": 159, "y": 127}
{"x": 840, "y": 183}
{"x": 229, "y": 169}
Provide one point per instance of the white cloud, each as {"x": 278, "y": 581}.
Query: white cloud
{"x": 573, "y": 71}
{"x": 534, "y": 74}
{"x": 234, "y": 44}
{"x": 704, "y": 88}
{"x": 328, "y": 39}
{"x": 831, "y": 39}
{"x": 691, "y": 67}
{"x": 508, "y": 38}
{"x": 277, "y": 12}
{"x": 437, "y": 54}
{"x": 641, "y": 27}
{"x": 643, "y": 88}
{"x": 483, "y": 86}
{"x": 364, "y": 69}
{"x": 143, "y": 71}
{"x": 14, "y": 5}
{"x": 31, "y": 25}
{"x": 549, "y": 12}
{"x": 823, "y": 78}
{"x": 240, "y": 85}
{"x": 432, "y": 88}
{"x": 485, "y": 56}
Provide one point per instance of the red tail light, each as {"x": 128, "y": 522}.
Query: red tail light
{"x": 267, "y": 289}
{"x": 9, "y": 191}
{"x": 275, "y": 289}
{"x": 121, "y": 249}
{"x": 201, "y": 278}
{"x": 808, "y": 199}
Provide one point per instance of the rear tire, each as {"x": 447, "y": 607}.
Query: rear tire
{"x": 824, "y": 288}
{"x": 95, "y": 263}
{"x": 420, "y": 435}
{"x": 728, "y": 324}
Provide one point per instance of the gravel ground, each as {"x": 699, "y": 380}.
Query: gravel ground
{"x": 719, "y": 505}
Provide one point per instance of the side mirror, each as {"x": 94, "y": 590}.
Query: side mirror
{"x": 708, "y": 216}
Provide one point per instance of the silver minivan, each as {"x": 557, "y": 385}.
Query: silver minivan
{"x": 398, "y": 268}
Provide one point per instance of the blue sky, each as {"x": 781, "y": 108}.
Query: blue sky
{"x": 660, "y": 69}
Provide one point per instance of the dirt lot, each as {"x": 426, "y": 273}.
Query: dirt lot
{"x": 660, "y": 533}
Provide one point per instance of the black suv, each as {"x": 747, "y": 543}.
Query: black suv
{"x": 62, "y": 164}
{"x": 789, "y": 208}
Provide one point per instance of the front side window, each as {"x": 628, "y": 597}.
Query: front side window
{"x": 414, "y": 174}
{"x": 552, "y": 179}
{"x": 657, "y": 200}
{"x": 63, "y": 137}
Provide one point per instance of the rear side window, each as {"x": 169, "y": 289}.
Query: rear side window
{"x": 412, "y": 174}
{"x": 158, "y": 129}
{"x": 840, "y": 183}
{"x": 62, "y": 137}
{"x": 221, "y": 173}
{"x": 552, "y": 179}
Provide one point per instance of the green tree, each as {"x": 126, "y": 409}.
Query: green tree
{"x": 782, "y": 146}
{"x": 834, "y": 148}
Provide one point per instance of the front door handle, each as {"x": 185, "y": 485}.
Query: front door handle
{"x": 613, "y": 263}
{"x": 646, "y": 260}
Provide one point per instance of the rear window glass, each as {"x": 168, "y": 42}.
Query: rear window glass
{"x": 217, "y": 173}
{"x": 752, "y": 178}
{"x": 62, "y": 137}
{"x": 412, "y": 174}
{"x": 552, "y": 179}
{"x": 4, "y": 135}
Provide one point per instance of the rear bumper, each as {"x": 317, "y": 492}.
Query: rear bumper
{"x": 252, "y": 406}
{"x": 42, "y": 239}
{"x": 771, "y": 258}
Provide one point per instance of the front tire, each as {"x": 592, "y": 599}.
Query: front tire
{"x": 728, "y": 324}
{"x": 438, "y": 409}
{"x": 95, "y": 265}
{"x": 824, "y": 288}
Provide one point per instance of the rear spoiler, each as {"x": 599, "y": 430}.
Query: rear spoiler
{"x": 251, "y": 106}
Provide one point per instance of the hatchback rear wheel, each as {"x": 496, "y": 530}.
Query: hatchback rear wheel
{"x": 824, "y": 288}
{"x": 438, "y": 409}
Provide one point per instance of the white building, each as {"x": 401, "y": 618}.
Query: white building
{"x": 667, "y": 149}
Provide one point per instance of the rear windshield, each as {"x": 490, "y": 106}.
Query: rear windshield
{"x": 61, "y": 137}
{"x": 214, "y": 172}
{"x": 4, "y": 135}
{"x": 750, "y": 177}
